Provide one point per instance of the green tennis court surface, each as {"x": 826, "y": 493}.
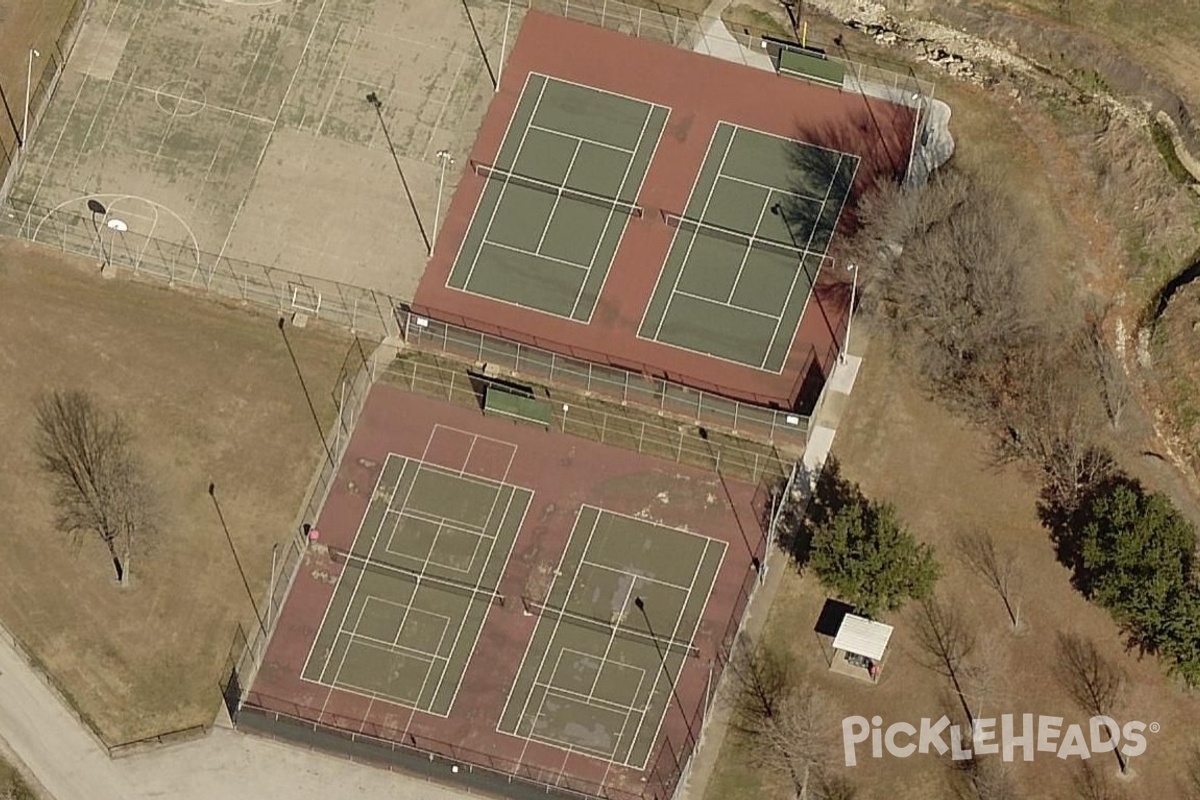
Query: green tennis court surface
{"x": 556, "y": 202}
{"x": 417, "y": 584}
{"x": 748, "y": 247}
{"x": 613, "y": 633}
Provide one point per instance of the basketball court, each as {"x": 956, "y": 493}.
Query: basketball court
{"x": 558, "y": 197}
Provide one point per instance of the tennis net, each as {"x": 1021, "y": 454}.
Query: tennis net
{"x": 462, "y": 588}
{"x": 603, "y": 201}
{"x": 736, "y": 237}
{"x": 537, "y": 608}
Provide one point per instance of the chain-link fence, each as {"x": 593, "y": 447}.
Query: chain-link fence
{"x": 591, "y": 418}
{"x": 360, "y": 369}
{"x": 51, "y": 62}
{"x": 707, "y": 34}
{"x": 181, "y": 263}
{"x": 594, "y": 374}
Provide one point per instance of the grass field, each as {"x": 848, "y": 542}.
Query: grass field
{"x": 212, "y": 396}
{"x": 904, "y": 448}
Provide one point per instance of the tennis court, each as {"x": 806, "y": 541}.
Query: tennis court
{"x": 420, "y": 578}
{"x": 557, "y": 200}
{"x": 613, "y": 635}
{"x": 748, "y": 247}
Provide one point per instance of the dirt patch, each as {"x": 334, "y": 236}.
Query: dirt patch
{"x": 212, "y": 395}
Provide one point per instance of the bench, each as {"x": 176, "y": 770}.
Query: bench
{"x": 517, "y": 407}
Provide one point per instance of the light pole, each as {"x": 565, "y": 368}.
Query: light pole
{"x": 33, "y": 53}
{"x": 919, "y": 99}
{"x": 850, "y": 315}
{"x": 641, "y": 606}
{"x": 446, "y": 160}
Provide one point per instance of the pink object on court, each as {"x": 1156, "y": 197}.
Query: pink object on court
{"x": 313, "y": 534}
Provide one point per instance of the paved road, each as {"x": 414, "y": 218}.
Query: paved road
{"x": 225, "y": 765}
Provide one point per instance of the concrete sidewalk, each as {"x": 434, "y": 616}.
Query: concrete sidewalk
{"x": 52, "y": 745}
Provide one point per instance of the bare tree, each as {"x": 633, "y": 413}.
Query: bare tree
{"x": 760, "y": 680}
{"x": 1095, "y": 683}
{"x": 99, "y": 486}
{"x": 794, "y": 741}
{"x": 1091, "y": 784}
{"x": 946, "y": 265}
{"x": 1114, "y": 381}
{"x": 1044, "y": 409}
{"x": 997, "y": 568}
{"x": 986, "y": 779}
{"x": 946, "y": 642}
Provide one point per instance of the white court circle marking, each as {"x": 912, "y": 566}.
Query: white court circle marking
{"x": 128, "y": 204}
{"x": 180, "y": 98}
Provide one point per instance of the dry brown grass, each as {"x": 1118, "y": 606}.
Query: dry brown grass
{"x": 903, "y": 447}
{"x": 211, "y": 394}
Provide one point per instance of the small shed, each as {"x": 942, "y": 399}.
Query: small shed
{"x": 860, "y": 648}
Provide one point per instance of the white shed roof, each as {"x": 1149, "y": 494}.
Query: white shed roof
{"x": 863, "y": 637}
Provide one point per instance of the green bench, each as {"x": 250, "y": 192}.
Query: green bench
{"x": 517, "y": 407}
{"x": 811, "y": 67}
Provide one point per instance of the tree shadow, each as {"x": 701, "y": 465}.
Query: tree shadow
{"x": 831, "y": 492}
{"x": 1067, "y": 518}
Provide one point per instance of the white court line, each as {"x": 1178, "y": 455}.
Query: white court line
{"x": 558, "y": 197}
{"x": 333, "y": 91}
{"x": 358, "y": 580}
{"x": 512, "y": 455}
{"x": 391, "y": 647}
{"x": 508, "y": 172}
{"x": 682, "y": 664}
{"x": 488, "y": 608}
{"x": 620, "y": 571}
{"x": 613, "y": 210}
{"x": 337, "y": 37}
{"x": 532, "y": 254}
{"x": 437, "y": 122}
{"x": 792, "y": 288}
{"x": 187, "y": 77}
{"x": 762, "y": 212}
{"x": 790, "y": 141}
{"x": 576, "y": 137}
{"x": 621, "y": 733}
{"x": 645, "y": 521}
{"x": 229, "y": 123}
{"x": 774, "y": 189}
{"x": 62, "y": 132}
{"x": 824, "y": 258}
{"x": 407, "y": 608}
{"x": 465, "y": 527}
{"x": 525, "y": 657}
{"x": 271, "y": 134}
{"x": 612, "y": 636}
{"x": 712, "y": 190}
{"x": 637, "y": 100}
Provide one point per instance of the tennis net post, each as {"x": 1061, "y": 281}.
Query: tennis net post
{"x": 473, "y": 591}
{"x": 490, "y": 172}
